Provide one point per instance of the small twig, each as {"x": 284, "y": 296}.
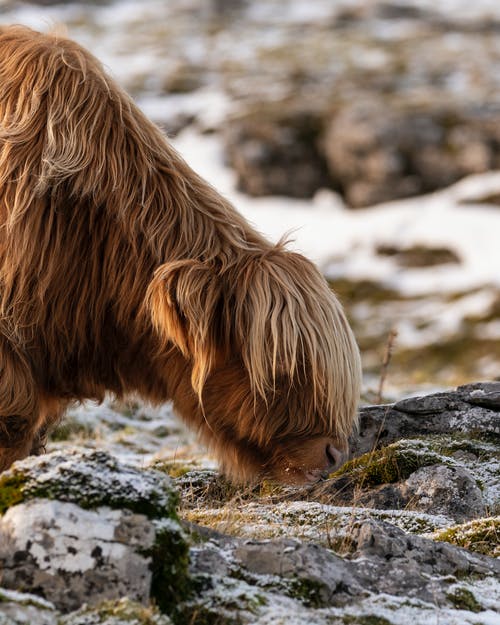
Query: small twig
{"x": 389, "y": 347}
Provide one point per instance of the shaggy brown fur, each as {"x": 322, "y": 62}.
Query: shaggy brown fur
{"x": 122, "y": 270}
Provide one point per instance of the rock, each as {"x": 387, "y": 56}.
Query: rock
{"x": 259, "y": 581}
{"x": 486, "y": 395}
{"x": 83, "y": 528}
{"x": 449, "y": 475}
{"x": 17, "y": 608}
{"x": 275, "y": 153}
{"x": 451, "y": 491}
{"x": 98, "y": 541}
{"x": 436, "y": 489}
{"x": 73, "y": 556}
{"x": 388, "y": 560}
{"x": 88, "y": 479}
{"x": 310, "y": 521}
{"x": 308, "y": 566}
{"x": 472, "y": 410}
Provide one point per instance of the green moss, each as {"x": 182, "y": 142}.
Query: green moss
{"x": 170, "y": 583}
{"x": 308, "y": 591}
{"x": 463, "y": 599}
{"x": 11, "y": 490}
{"x": 386, "y": 466}
{"x": 77, "y": 492}
{"x": 365, "y": 619}
{"x": 481, "y": 536}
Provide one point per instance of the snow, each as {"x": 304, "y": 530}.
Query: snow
{"x": 25, "y": 598}
{"x": 343, "y": 241}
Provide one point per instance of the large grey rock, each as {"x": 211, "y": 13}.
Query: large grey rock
{"x": 82, "y": 528}
{"x": 305, "y": 565}
{"x": 253, "y": 581}
{"x": 472, "y": 409}
{"x": 90, "y": 479}
{"x": 441, "y": 489}
{"x": 73, "y": 556}
{"x": 438, "y": 489}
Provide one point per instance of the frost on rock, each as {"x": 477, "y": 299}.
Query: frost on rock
{"x": 73, "y": 556}
{"x": 89, "y": 479}
{"x": 79, "y": 529}
{"x": 390, "y": 576}
{"x": 17, "y": 608}
{"x": 312, "y": 521}
{"x": 481, "y": 535}
{"x": 435, "y": 463}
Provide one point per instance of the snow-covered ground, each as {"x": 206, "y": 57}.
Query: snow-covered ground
{"x": 344, "y": 241}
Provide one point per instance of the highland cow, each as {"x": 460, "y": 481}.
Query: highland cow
{"x": 122, "y": 271}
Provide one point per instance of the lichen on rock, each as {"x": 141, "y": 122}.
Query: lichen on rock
{"x": 89, "y": 479}
{"x": 85, "y": 528}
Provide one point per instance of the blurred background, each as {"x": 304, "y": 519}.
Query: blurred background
{"x": 367, "y": 130}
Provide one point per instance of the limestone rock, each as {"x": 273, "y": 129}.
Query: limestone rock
{"x": 451, "y": 491}
{"x": 257, "y": 581}
{"x": 89, "y": 479}
{"x": 73, "y": 556}
{"x": 17, "y": 608}
{"x": 81, "y": 528}
{"x": 306, "y": 566}
{"x": 472, "y": 409}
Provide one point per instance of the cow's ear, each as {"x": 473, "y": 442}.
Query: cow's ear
{"x": 184, "y": 298}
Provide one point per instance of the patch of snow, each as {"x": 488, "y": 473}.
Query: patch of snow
{"x": 25, "y": 598}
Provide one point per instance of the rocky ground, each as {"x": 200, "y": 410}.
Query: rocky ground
{"x": 123, "y": 522}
